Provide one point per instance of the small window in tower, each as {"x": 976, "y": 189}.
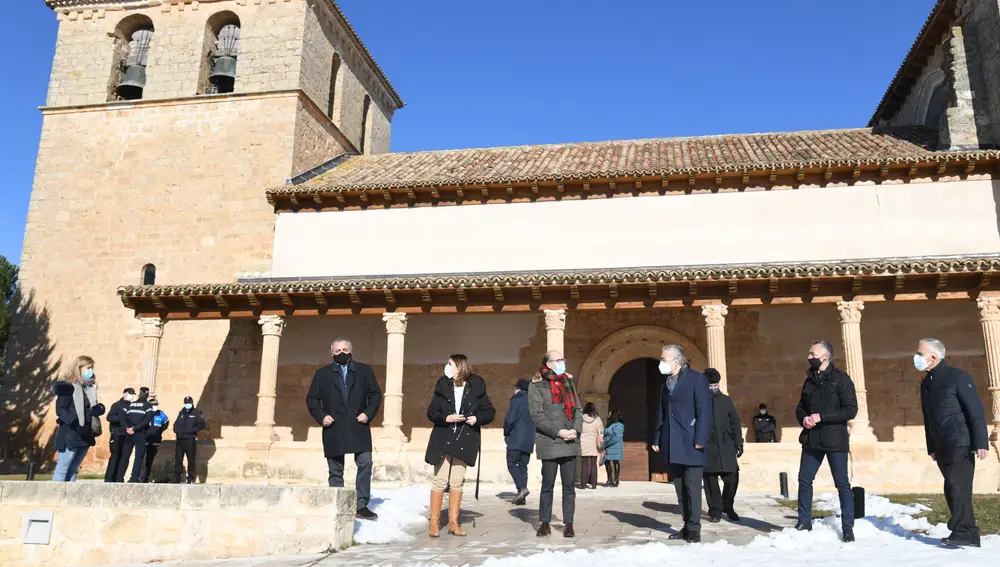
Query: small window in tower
{"x": 133, "y": 37}
{"x": 221, "y": 51}
{"x": 334, "y": 75}
{"x": 365, "y": 110}
{"x": 149, "y": 274}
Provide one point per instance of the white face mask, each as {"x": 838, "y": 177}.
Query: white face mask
{"x": 665, "y": 367}
{"x": 449, "y": 370}
{"x": 763, "y": 412}
{"x": 156, "y": 408}
{"x": 920, "y": 363}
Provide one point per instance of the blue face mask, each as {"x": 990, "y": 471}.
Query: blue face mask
{"x": 920, "y": 363}
{"x": 188, "y": 406}
{"x": 560, "y": 367}
{"x": 88, "y": 374}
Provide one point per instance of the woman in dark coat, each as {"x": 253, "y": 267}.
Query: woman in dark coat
{"x": 77, "y": 412}
{"x": 459, "y": 407}
{"x": 725, "y": 446}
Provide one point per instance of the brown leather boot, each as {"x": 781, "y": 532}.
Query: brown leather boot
{"x": 454, "y": 505}
{"x": 437, "y": 500}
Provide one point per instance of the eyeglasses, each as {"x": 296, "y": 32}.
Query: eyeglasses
{"x": 557, "y": 360}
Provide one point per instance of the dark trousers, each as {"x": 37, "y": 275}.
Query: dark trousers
{"x": 808, "y": 467}
{"x": 589, "y": 472}
{"x": 151, "y": 450}
{"x": 687, "y": 484}
{"x": 136, "y": 442}
{"x": 958, "y": 466}
{"x": 517, "y": 465}
{"x": 363, "y": 482}
{"x": 186, "y": 448}
{"x": 566, "y": 467}
{"x": 719, "y": 502}
{"x": 116, "y": 444}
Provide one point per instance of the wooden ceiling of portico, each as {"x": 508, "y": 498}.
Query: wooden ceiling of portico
{"x": 624, "y": 289}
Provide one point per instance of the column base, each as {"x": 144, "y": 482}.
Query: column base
{"x": 389, "y": 458}
{"x": 862, "y": 432}
{"x": 259, "y": 450}
{"x": 266, "y": 433}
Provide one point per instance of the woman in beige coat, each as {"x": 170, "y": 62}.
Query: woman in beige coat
{"x": 590, "y": 442}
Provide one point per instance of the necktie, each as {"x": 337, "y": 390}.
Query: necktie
{"x": 343, "y": 377}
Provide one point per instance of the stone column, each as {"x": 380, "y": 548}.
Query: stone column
{"x": 555, "y": 330}
{"x": 390, "y": 442}
{"x": 152, "y": 332}
{"x": 850, "y": 330}
{"x": 271, "y": 327}
{"x": 715, "y": 324}
{"x": 989, "y": 317}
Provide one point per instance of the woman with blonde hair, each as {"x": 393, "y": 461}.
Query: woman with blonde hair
{"x": 77, "y": 412}
{"x": 459, "y": 407}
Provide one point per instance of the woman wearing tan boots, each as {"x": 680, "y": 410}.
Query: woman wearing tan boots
{"x": 458, "y": 408}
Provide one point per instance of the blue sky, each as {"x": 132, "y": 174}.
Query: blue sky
{"x": 477, "y": 73}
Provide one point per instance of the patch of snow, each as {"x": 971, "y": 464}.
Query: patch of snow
{"x": 399, "y": 510}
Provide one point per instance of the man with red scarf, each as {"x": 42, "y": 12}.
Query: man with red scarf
{"x": 554, "y": 406}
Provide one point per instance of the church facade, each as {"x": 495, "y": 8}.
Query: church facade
{"x": 207, "y": 224}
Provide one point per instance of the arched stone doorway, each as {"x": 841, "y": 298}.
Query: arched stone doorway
{"x": 622, "y": 368}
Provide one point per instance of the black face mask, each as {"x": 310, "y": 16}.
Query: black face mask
{"x": 342, "y": 358}
{"x": 815, "y": 363}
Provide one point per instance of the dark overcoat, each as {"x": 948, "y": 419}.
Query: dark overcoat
{"x": 953, "y": 413}
{"x": 72, "y": 434}
{"x": 725, "y": 440}
{"x": 831, "y": 394}
{"x": 683, "y": 419}
{"x": 518, "y": 430}
{"x": 458, "y": 440}
{"x": 327, "y": 397}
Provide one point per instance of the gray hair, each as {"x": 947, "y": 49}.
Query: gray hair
{"x": 675, "y": 352}
{"x": 935, "y": 346}
{"x": 342, "y": 340}
{"x": 826, "y": 346}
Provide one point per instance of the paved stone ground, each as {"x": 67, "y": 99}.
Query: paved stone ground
{"x": 635, "y": 513}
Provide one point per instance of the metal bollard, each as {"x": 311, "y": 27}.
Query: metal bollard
{"x": 783, "y": 478}
{"x": 31, "y": 471}
{"x": 859, "y": 502}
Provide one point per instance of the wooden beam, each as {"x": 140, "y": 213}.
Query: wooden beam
{"x": 560, "y": 188}
{"x": 485, "y": 190}
{"x": 387, "y": 196}
{"x": 772, "y": 285}
{"x": 971, "y": 167}
{"x": 189, "y": 302}
{"x": 460, "y": 292}
{"x": 984, "y": 279}
{"x": 425, "y": 295}
{"x": 884, "y": 170}
{"x": 900, "y": 282}
{"x": 220, "y": 300}
{"x": 691, "y": 180}
{"x": 254, "y": 302}
{"x": 613, "y": 290}
{"x": 611, "y": 185}
{"x": 652, "y": 289}
{"x": 459, "y": 193}
{"x": 320, "y": 299}
{"x": 773, "y": 177}
{"x": 856, "y": 284}
{"x": 353, "y": 295}
{"x": 536, "y": 293}
{"x": 813, "y": 285}
{"x": 498, "y": 293}
{"x": 800, "y": 174}
{"x": 363, "y": 194}
{"x": 913, "y": 170}
{"x": 586, "y": 185}
{"x": 856, "y": 172}
{"x": 340, "y": 197}
{"x": 718, "y": 179}
{"x": 733, "y": 286}
{"x": 534, "y": 188}
{"x": 294, "y": 199}
{"x": 746, "y": 178}
{"x": 574, "y": 292}
{"x": 318, "y": 198}
{"x": 390, "y": 297}
{"x": 942, "y": 167}
{"x": 510, "y": 188}
{"x": 828, "y": 173}
{"x": 434, "y": 193}
{"x": 286, "y": 300}
{"x": 942, "y": 281}
{"x": 410, "y": 194}
{"x": 693, "y": 288}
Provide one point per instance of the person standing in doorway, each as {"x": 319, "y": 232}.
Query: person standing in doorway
{"x": 590, "y": 445}
{"x": 827, "y": 403}
{"x": 683, "y": 421}
{"x": 554, "y": 406}
{"x": 519, "y": 435}
{"x": 725, "y": 446}
{"x": 765, "y": 426}
{"x": 153, "y": 438}
{"x": 613, "y": 443}
{"x": 955, "y": 430}
{"x": 190, "y": 422}
{"x": 459, "y": 407}
{"x": 116, "y": 420}
{"x": 344, "y": 398}
{"x": 138, "y": 417}
{"x": 77, "y": 413}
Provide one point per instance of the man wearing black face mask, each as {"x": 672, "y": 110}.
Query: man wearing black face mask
{"x": 827, "y": 403}
{"x": 765, "y": 426}
{"x": 344, "y": 398}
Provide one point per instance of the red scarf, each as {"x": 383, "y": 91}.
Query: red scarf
{"x": 559, "y": 393}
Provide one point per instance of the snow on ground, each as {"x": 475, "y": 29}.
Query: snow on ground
{"x": 398, "y": 510}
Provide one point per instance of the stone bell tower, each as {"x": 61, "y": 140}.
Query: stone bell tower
{"x": 165, "y": 122}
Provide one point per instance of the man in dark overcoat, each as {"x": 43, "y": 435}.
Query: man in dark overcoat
{"x": 683, "y": 418}
{"x": 725, "y": 446}
{"x": 344, "y": 398}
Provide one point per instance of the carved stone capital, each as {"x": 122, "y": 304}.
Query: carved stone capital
{"x": 850, "y": 311}
{"x": 555, "y": 319}
{"x": 395, "y": 323}
{"x": 152, "y": 327}
{"x": 715, "y": 315}
{"x": 989, "y": 308}
{"x": 271, "y": 325}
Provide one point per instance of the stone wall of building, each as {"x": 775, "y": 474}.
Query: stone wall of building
{"x": 982, "y": 25}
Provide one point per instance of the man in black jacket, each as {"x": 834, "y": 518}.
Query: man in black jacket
{"x": 138, "y": 416}
{"x": 190, "y": 422}
{"x": 519, "y": 435}
{"x": 344, "y": 398}
{"x": 116, "y": 418}
{"x": 725, "y": 446}
{"x": 827, "y": 403}
{"x": 955, "y": 428}
{"x": 765, "y": 427}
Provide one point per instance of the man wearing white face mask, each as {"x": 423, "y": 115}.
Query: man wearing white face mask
{"x": 683, "y": 421}
{"x": 955, "y": 429}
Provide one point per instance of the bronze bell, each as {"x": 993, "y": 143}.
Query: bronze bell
{"x": 223, "y": 71}
{"x": 133, "y": 81}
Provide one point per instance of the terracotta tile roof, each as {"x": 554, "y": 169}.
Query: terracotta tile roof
{"x": 708, "y": 154}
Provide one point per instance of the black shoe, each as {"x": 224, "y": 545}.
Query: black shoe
{"x": 848, "y": 535}
{"x": 190, "y": 481}
{"x": 803, "y": 527}
{"x": 683, "y": 534}
{"x": 715, "y": 519}
{"x": 521, "y": 497}
{"x": 960, "y": 541}
{"x": 732, "y": 515}
{"x": 544, "y": 530}
{"x": 568, "y": 531}
{"x": 694, "y": 538}
{"x": 366, "y": 514}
